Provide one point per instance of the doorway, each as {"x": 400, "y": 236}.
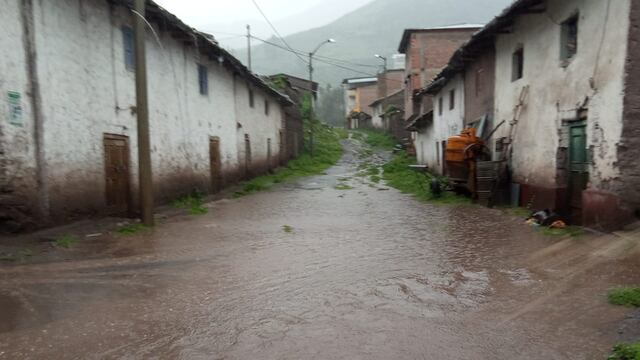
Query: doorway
{"x": 247, "y": 156}
{"x": 116, "y": 158}
{"x": 578, "y": 169}
{"x": 215, "y": 163}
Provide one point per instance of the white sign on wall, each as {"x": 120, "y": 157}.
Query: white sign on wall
{"x": 15, "y": 108}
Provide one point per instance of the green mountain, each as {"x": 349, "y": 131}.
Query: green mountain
{"x": 375, "y": 28}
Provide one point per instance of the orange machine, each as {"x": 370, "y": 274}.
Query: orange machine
{"x": 461, "y": 155}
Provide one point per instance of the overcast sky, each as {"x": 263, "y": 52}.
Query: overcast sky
{"x": 226, "y": 18}
{"x": 205, "y": 12}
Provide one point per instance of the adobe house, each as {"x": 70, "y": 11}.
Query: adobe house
{"x": 359, "y": 93}
{"x": 463, "y": 96}
{"x": 295, "y": 88}
{"x": 567, "y": 85}
{"x": 68, "y": 124}
{"x": 427, "y": 52}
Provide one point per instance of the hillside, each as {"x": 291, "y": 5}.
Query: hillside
{"x": 374, "y": 28}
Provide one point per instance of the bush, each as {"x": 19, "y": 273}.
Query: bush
{"x": 626, "y": 352}
{"x": 626, "y": 296}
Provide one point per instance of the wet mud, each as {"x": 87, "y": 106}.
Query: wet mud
{"x": 307, "y": 271}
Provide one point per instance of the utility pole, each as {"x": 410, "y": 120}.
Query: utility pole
{"x": 311, "y": 122}
{"x": 142, "y": 113}
{"x": 249, "y": 47}
{"x": 311, "y": 130}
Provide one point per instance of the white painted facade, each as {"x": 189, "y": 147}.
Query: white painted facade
{"x": 448, "y": 120}
{"x": 557, "y": 91}
{"x": 87, "y": 91}
{"x": 377, "y": 111}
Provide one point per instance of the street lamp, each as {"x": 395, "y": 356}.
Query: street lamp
{"x": 311, "y": 54}
{"x": 383, "y": 59}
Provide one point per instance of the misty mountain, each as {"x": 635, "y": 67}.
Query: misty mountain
{"x": 316, "y": 16}
{"x": 375, "y": 28}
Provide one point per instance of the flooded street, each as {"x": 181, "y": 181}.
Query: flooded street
{"x": 307, "y": 271}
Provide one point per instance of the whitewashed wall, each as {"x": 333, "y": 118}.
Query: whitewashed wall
{"x": 449, "y": 123}
{"x": 87, "y": 92}
{"x": 556, "y": 91}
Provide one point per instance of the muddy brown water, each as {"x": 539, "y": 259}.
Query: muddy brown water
{"x": 366, "y": 273}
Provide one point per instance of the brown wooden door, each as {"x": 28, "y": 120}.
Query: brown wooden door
{"x": 215, "y": 163}
{"x": 116, "y": 158}
{"x": 247, "y": 156}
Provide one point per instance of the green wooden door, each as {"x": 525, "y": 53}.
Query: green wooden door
{"x": 579, "y": 170}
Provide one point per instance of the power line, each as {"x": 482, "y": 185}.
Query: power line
{"x": 325, "y": 61}
{"x": 277, "y": 32}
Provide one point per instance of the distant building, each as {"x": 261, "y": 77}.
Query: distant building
{"x": 358, "y": 94}
{"x": 385, "y": 111}
{"x": 427, "y": 52}
{"x": 295, "y": 88}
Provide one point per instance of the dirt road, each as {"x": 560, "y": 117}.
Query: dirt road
{"x": 307, "y": 271}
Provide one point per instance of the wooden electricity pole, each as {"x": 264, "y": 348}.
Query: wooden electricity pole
{"x": 142, "y": 112}
{"x": 249, "y": 47}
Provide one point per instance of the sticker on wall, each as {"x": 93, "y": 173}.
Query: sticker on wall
{"x": 15, "y": 108}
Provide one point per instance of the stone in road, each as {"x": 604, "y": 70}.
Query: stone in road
{"x": 365, "y": 273}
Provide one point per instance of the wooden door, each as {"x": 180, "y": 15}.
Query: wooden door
{"x": 281, "y": 148}
{"x": 247, "y": 156}
{"x": 444, "y": 158}
{"x": 215, "y": 163}
{"x": 116, "y": 158}
{"x": 578, "y": 170}
{"x": 269, "y": 154}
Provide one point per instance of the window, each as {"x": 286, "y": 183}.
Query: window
{"x": 518, "y": 64}
{"x": 266, "y": 107}
{"x": 129, "y": 48}
{"x": 203, "y": 79}
{"x": 479, "y": 80}
{"x": 251, "y": 103}
{"x": 438, "y": 152}
{"x": 569, "y": 38}
{"x": 440, "y": 104}
{"x": 452, "y": 99}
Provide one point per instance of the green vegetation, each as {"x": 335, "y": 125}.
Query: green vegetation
{"x": 376, "y": 179}
{"x": 194, "y": 203}
{"x": 569, "y": 231}
{"x": 626, "y": 352}
{"x": 626, "y": 296}
{"x": 343, "y": 187}
{"x": 398, "y": 175}
{"x": 288, "y": 229}
{"x": 20, "y": 256}
{"x": 327, "y": 152}
{"x": 132, "y": 229}
{"x": 373, "y": 170}
{"x": 376, "y": 138}
{"x": 65, "y": 242}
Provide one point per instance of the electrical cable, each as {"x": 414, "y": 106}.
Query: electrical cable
{"x": 277, "y": 32}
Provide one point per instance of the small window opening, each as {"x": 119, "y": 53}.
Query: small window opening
{"x": 128, "y": 41}
{"x": 518, "y": 64}
{"x": 569, "y": 38}
{"x": 203, "y": 79}
{"x": 452, "y": 99}
{"x": 440, "y": 105}
{"x": 251, "y": 103}
{"x": 266, "y": 107}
